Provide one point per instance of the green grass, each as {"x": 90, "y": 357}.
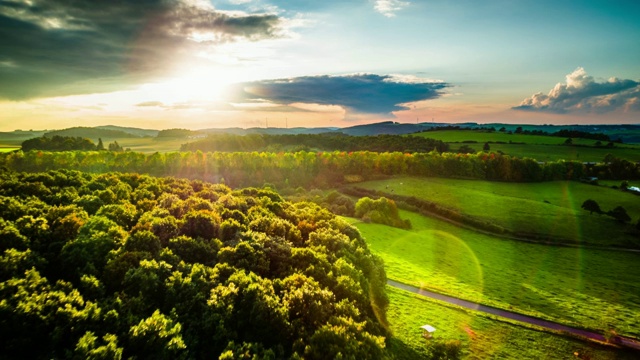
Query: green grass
{"x": 482, "y": 337}
{"x": 542, "y": 148}
{"x": 8, "y": 149}
{"x": 151, "y": 145}
{"x": 548, "y": 208}
{"x": 593, "y": 288}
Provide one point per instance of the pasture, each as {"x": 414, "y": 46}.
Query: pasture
{"x": 482, "y": 337}
{"x": 550, "y": 209}
{"x": 541, "y": 148}
{"x": 597, "y": 289}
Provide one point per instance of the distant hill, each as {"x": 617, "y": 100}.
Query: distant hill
{"x": 628, "y": 133}
{"x": 270, "y": 131}
{"x": 91, "y": 133}
{"x": 17, "y": 137}
{"x": 131, "y": 130}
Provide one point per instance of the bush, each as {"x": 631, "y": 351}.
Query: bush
{"x": 445, "y": 349}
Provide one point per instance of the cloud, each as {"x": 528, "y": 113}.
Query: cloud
{"x": 582, "y": 94}
{"x": 389, "y": 8}
{"x": 357, "y": 93}
{"x": 150, "y": 104}
{"x": 48, "y": 46}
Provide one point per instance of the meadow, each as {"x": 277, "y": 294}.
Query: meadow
{"x": 8, "y": 149}
{"x": 482, "y": 337}
{"x": 539, "y": 147}
{"x": 550, "y": 209}
{"x": 596, "y": 289}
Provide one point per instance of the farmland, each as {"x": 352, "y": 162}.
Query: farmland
{"x": 588, "y": 287}
{"x": 481, "y": 336}
{"x": 541, "y": 148}
{"x": 548, "y": 208}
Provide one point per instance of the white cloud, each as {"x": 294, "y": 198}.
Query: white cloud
{"x": 389, "y": 8}
{"x": 582, "y": 94}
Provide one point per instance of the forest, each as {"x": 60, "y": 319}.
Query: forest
{"x": 319, "y": 169}
{"x": 113, "y": 265}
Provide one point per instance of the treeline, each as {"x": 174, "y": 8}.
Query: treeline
{"x": 322, "y": 169}
{"x": 58, "y": 143}
{"x": 67, "y": 143}
{"x": 324, "y": 142}
{"x": 582, "y": 135}
{"x": 519, "y": 130}
{"x": 118, "y": 266}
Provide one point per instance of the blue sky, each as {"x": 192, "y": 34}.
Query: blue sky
{"x": 195, "y": 63}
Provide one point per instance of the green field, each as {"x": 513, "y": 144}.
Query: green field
{"x": 549, "y": 208}
{"x": 481, "y": 336}
{"x": 542, "y": 148}
{"x": 593, "y": 288}
{"x": 8, "y": 149}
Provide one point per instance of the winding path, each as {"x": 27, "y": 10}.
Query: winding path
{"x": 623, "y": 341}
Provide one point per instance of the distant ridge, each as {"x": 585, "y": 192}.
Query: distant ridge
{"x": 628, "y": 133}
{"x": 131, "y": 130}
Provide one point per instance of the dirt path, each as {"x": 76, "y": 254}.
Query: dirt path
{"x": 626, "y": 342}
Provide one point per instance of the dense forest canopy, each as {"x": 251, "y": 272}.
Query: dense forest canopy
{"x": 125, "y": 265}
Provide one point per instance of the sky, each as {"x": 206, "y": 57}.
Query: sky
{"x": 197, "y": 64}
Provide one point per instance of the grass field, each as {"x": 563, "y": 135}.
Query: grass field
{"x": 594, "y": 288}
{"x": 542, "y": 148}
{"x": 481, "y": 337}
{"x": 548, "y": 208}
{"x": 8, "y": 149}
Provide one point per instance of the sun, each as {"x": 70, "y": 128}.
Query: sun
{"x": 195, "y": 85}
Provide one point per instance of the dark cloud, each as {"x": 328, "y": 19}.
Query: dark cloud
{"x": 360, "y": 93}
{"x": 582, "y": 94}
{"x": 48, "y": 46}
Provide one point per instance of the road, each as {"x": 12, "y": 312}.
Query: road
{"x": 626, "y": 342}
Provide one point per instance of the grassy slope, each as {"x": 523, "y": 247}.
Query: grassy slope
{"x": 8, "y": 149}
{"x": 482, "y": 337}
{"x": 543, "y": 148}
{"x": 594, "y": 288}
{"x": 522, "y": 207}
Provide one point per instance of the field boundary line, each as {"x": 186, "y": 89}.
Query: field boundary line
{"x": 506, "y": 236}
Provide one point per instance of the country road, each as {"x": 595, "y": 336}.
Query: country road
{"x": 626, "y": 342}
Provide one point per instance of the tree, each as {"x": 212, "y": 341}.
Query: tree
{"x": 620, "y": 214}
{"x": 503, "y": 129}
{"x": 486, "y": 147}
{"x": 569, "y": 141}
{"x": 158, "y": 337}
{"x": 466, "y": 149}
{"x": 591, "y": 206}
{"x": 519, "y": 130}
{"x": 624, "y": 185}
{"x": 100, "y": 145}
{"x": 114, "y": 146}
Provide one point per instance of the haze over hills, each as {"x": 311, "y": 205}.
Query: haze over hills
{"x": 627, "y": 133}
